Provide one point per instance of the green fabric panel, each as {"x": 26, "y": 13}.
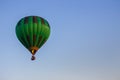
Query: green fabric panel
{"x": 26, "y": 33}
{"x": 30, "y": 24}
{"x": 44, "y": 35}
{"x": 35, "y": 26}
{"x": 23, "y": 33}
{"x": 18, "y": 29}
{"x": 40, "y": 35}
{"x": 38, "y": 31}
{"x": 26, "y": 29}
{"x": 47, "y": 32}
{"x": 46, "y": 23}
{"x": 39, "y": 45}
{"x": 42, "y": 42}
{"x": 19, "y": 34}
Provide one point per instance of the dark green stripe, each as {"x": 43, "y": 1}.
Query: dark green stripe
{"x": 43, "y": 41}
{"x": 28, "y": 39}
{"x": 42, "y": 21}
{"x": 40, "y": 40}
{"x": 34, "y": 19}
{"x": 26, "y": 20}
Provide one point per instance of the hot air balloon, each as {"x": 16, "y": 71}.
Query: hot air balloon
{"x": 33, "y": 32}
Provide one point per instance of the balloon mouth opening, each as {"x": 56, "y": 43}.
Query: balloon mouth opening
{"x": 33, "y": 50}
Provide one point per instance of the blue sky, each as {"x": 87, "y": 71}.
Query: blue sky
{"x": 84, "y": 43}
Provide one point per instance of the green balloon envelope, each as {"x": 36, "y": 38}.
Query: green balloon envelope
{"x": 33, "y": 32}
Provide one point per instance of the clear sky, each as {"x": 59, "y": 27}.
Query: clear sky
{"x": 84, "y": 43}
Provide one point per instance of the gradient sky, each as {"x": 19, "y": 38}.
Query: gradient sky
{"x": 84, "y": 43}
